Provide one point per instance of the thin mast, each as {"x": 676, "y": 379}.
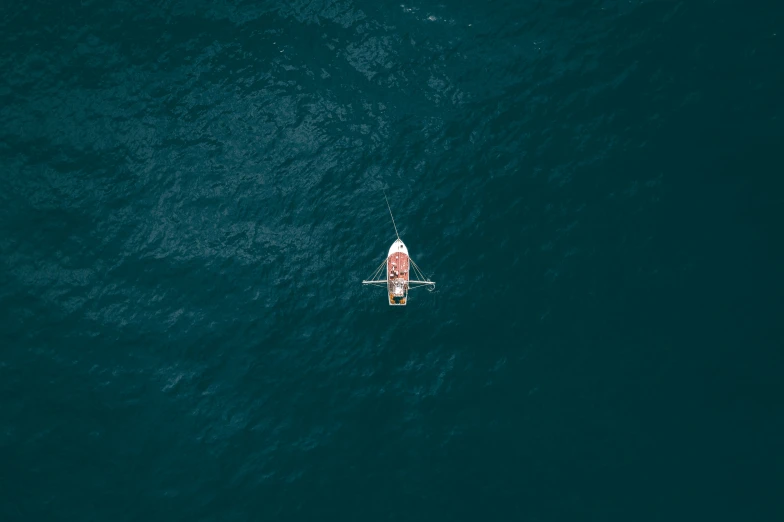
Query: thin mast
{"x": 390, "y": 214}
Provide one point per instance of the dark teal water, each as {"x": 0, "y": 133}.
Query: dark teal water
{"x": 191, "y": 193}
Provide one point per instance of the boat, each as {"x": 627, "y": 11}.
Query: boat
{"x": 398, "y": 268}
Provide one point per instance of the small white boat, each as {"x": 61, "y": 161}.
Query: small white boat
{"x": 398, "y": 267}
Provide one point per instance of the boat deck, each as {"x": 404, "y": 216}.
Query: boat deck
{"x": 397, "y": 271}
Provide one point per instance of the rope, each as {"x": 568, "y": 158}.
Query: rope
{"x": 420, "y": 275}
{"x": 377, "y": 272}
{"x": 390, "y": 214}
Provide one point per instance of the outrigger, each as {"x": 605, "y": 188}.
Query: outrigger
{"x": 398, "y": 264}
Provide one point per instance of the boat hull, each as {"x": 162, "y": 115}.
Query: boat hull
{"x": 398, "y": 266}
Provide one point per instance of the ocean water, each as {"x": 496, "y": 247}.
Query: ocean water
{"x": 191, "y": 193}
